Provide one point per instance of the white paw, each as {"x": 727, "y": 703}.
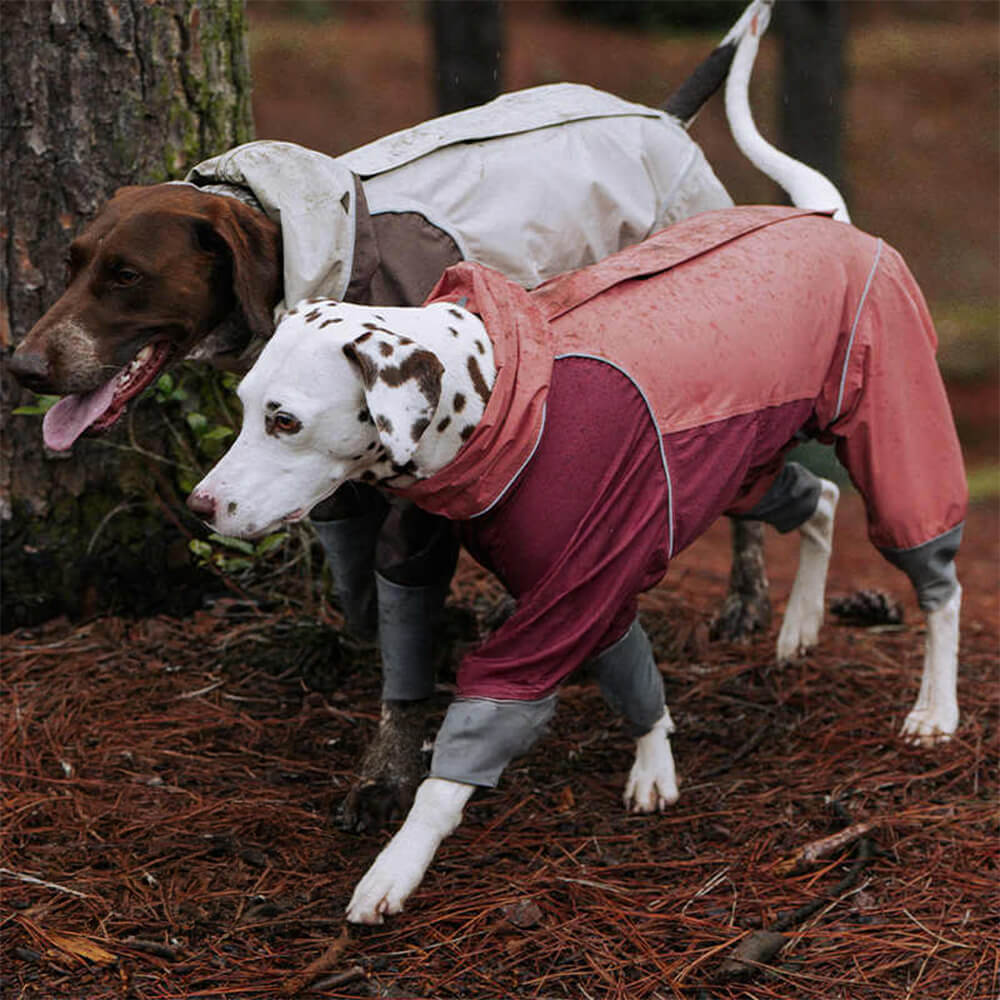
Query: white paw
{"x": 800, "y": 629}
{"x": 930, "y": 726}
{"x": 652, "y": 782}
{"x": 385, "y": 887}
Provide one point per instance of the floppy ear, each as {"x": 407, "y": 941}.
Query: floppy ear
{"x": 253, "y": 243}
{"x": 402, "y": 386}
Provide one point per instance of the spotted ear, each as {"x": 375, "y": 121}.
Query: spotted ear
{"x": 402, "y": 386}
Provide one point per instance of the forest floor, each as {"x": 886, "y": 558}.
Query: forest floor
{"x": 170, "y": 784}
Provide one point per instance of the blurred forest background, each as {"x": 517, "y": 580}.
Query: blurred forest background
{"x": 920, "y": 114}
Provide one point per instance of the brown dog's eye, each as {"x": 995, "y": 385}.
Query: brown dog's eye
{"x": 282, "y": 423}
{"x": 126, "y": 276}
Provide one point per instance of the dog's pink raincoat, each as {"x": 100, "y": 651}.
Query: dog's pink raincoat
{"x": 640, "y": 398}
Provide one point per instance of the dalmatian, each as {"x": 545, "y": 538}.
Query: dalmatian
{"x": 576, "y": 462}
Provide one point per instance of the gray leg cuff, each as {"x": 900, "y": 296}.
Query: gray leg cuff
{"x": 349, "y": 546}
{"x": 930, "y": 567}
{"x": 481, "y": 736}
{"x": 407, "y": 617}
{"x": 790, "y": 501}
{"x": 630, "y": 681}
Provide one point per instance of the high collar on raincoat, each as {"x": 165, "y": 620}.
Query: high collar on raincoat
{"x": 312, "y": 197}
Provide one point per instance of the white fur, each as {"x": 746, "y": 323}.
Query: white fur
{"x": 399, "y": 868}
{"x": 804, "y": 614}
{"x": 312, "y": 369}
{"x": 934, "y": 718}
{"x": 652, "y": 782}
{"x": 806, "y": 187}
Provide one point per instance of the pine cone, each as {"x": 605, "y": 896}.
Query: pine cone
{"x": 867, "y": 608}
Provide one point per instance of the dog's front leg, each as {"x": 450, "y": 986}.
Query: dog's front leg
{"x": 391, "y": 769}
{"x": 399, "y": 868}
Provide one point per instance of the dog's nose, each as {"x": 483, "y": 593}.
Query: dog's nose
{"x": 203, "y": 504}
{"x": 31, "y": 369}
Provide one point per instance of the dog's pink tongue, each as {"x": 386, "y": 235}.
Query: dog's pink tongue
{"x": 72, "y": 415}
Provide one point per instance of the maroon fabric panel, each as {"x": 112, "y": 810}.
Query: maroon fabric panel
{"x": 725, "y": 467}
{"x": 581, "y": 533}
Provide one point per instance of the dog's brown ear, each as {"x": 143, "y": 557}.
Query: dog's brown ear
{"x": 402, "y": 386}
{"x": 254, "y": 245}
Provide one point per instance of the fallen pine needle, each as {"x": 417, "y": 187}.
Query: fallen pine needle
{"x": 297, "y": 983}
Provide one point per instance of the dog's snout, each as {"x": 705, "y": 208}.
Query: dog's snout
{"x": 203, "y": 504}
{"x": 31, "y": 369}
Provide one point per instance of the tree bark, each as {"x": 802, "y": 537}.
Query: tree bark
{"x": 813, "y": 78}
{"x": 98, "y": 94}
{"x": 468, "y": 41}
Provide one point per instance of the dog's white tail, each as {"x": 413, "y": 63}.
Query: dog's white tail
{"x": 806, "y": 187}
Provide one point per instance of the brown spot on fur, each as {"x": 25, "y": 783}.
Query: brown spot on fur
{"x": 367, "y": 368}
{"x": 453, "y": 331}
{"x": 364, "y": 416}
{"x": 478, "y": 382}
{"x": 479, "y": 347}
{"x": 312, "y": 316}
{"x": 467, "y": 431}
{"x": 368, "y": 476}
{"x": 363, "y": 337}
{"x": 459, "y": 402}
{"x": 455, "y": 312}
{"x": 418, "y": 428}
{"x": 383, "y": 423}
{"x": 443, "y": 425}
{"x": 385, "y": 349}
{"x": 422, "y": 366}
{"x": 335, "y": 319}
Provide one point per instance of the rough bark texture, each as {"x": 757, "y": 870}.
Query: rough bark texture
{"x": 97, "y": 94}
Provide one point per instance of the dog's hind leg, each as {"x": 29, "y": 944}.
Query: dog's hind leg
{"x": 931, "y": 569}
{"x": 804, "y": 613}
{"x": 632, "y": 685}
{"x": 934, "y": 717}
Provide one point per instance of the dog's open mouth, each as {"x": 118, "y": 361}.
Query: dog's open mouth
{"x": 99, "y": 409}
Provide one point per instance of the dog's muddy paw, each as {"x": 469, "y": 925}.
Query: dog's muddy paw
{"x": 374, "y": 802}
{"x": 740, "y": 616}
{"x": 930, "y": 727}
{"x": 390, "y": 771}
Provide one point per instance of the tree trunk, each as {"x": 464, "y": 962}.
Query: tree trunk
{"x": 468, "y": 40}
{"x": 812, "y": 70}
{"x": 98, "y": 94}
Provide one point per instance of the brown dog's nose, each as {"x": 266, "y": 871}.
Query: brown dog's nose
{"x": 31, "y": 369}
{"x": 203, "y": 504}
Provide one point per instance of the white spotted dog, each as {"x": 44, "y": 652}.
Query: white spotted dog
{"x": 576, "y": 461}
{"x": 351, "y": 394}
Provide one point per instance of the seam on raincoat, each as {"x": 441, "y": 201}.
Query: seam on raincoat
{"x": 854, "y": 329}
{"x": 513, "y": 479}
{"x": 656, "y": 427}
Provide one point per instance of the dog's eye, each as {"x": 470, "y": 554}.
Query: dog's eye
{"x": 282, "y": 423}
{"x": 126, "y": 276}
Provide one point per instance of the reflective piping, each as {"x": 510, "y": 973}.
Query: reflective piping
{"x": 854, "y": 330}
{"x": 523, "y": 466}
{"x": 659, "y": 436}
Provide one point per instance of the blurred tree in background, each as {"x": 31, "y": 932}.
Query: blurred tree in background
{"x": 468, "y": 45}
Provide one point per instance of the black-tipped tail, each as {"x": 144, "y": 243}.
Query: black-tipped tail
{"x": 687, "y": 100}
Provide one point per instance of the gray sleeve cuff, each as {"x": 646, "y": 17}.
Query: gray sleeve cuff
{"x": 481, "y": 736}
{"x": 790, "y": 501}
{"x": 630, "y": 680}
{"x": 930, "y": 567}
